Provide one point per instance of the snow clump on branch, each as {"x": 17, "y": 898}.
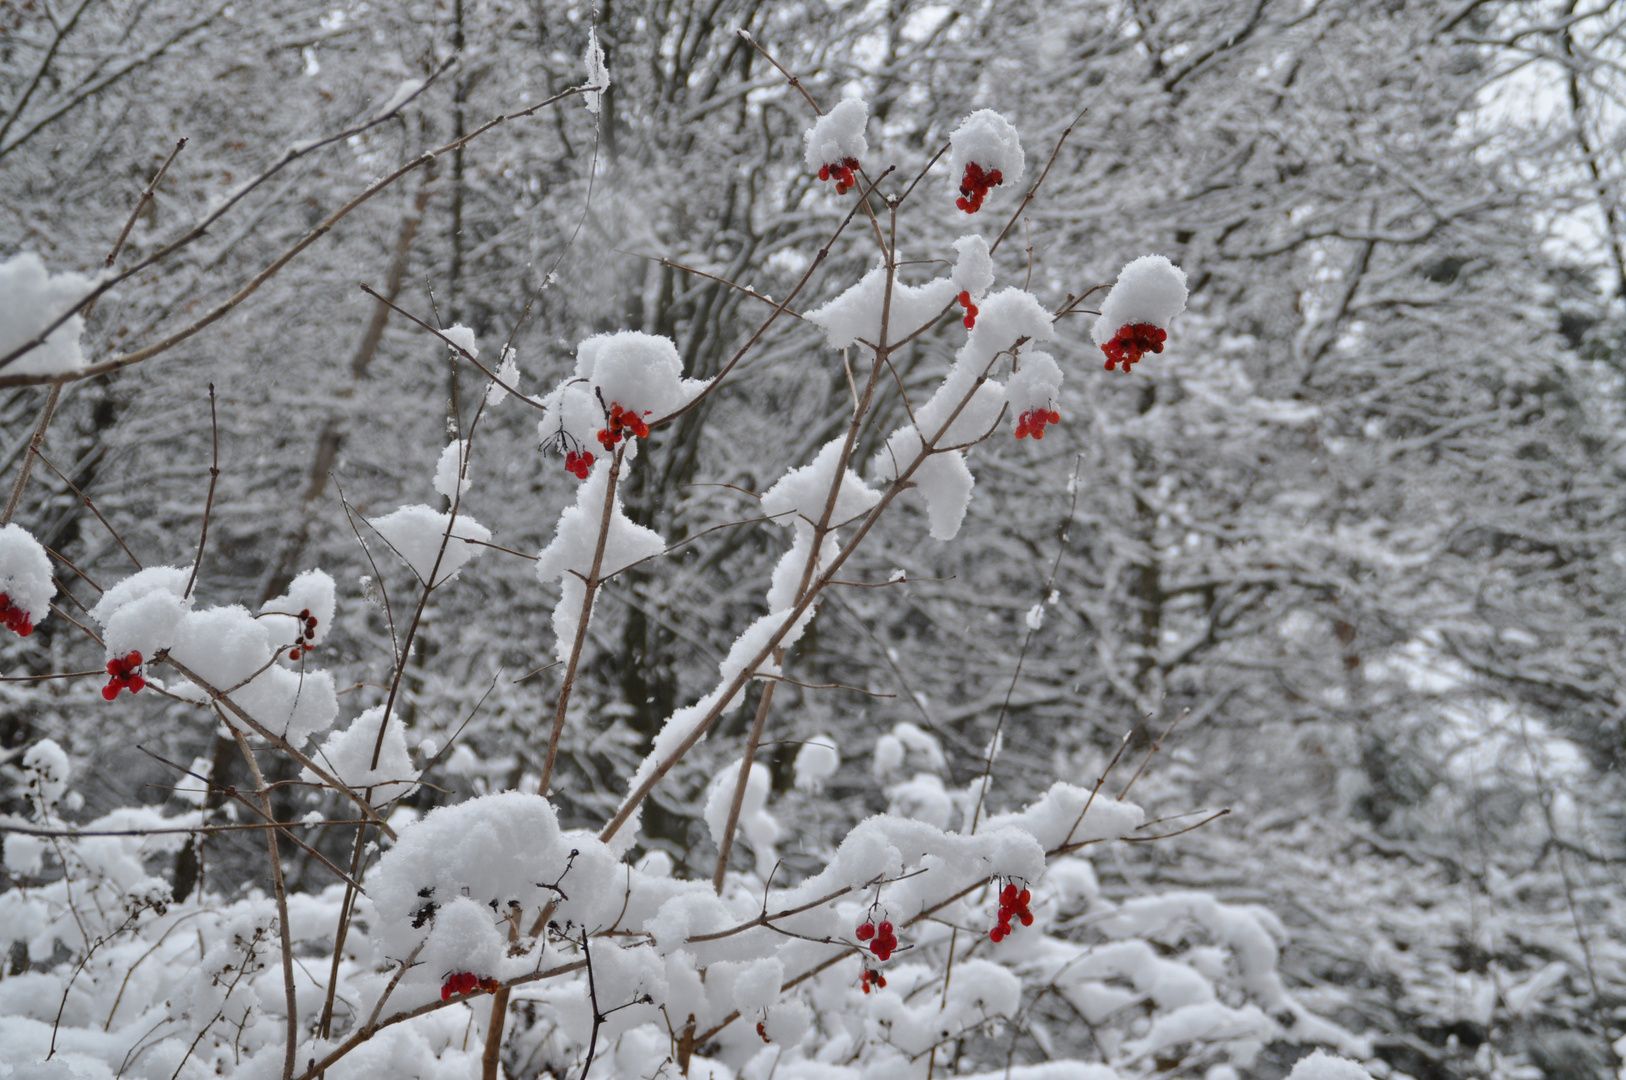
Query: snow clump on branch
{"x": 835, "y": 144}
{"x": 26, "y": 588}
{"x": 31, "y": 298}
{"x": 1136, "y": 314}
{"x": 985, "y": 152}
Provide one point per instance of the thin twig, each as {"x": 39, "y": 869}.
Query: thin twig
{"x": 91, "y": 506}
{"x": 209, "y": 502}
{"x": 226, "y": 306}
{"x": 141, "y": 204}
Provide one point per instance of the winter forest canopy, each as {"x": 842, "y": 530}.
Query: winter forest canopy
{"x": 1075, "y": 540}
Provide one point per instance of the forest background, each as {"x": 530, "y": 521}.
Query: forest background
{"x": 1357, "y": 531}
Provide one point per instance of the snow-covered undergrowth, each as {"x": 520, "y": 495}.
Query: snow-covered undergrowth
{"x": 485, "y": 938}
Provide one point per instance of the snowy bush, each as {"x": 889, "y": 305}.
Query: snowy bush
{"x": 482, "y": 921}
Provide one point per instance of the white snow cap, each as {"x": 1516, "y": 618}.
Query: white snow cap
{"x": 758, "y": 826}
{"x": 25, "y": 572}
{"x": 1151, "y": 289}
{"x": 1324, "y": 1066}
{"x": 569, "y": 556}
{"x": 598, "y": 76}
{"x": 816, "y": 762}
{"x": 451, "y": 472}
{"x": 838, "y": 135}
{"x": 348, "y": 755}
{"x": 312, "y": 591}
{"x": 415, "y": 532}
{"x": 856, "y": 313}
{"x": 988, "y": 139}
{"x": 974, "y": 269}
{"x": 30, "y": 299}
{"x": 640, "y": 372}
{"x": 1036, "y": 384}
{"x": 47, "y": 767}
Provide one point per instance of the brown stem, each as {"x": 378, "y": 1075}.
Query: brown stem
{"x": 278, "y": 741}
{"x": 725, "y": 844}
{"x": 290, "y": 995}
{"x": 46, "y": 412}
{"x": 36, "y": 452}
{"x": 208, "y": 503}
{"x": 589, "y": 590}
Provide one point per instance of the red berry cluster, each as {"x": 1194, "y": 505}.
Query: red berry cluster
{"x": 1033, "y": 421}
{"x": 124, "y": 674}
{"x": 882, "y": 941}
{"x": 970, "y": 309}
{"x": 1012, "y": 902}
{"x": 842, "y": 172}
{"x": 307, "y": 635}
{"x": 17, "y": 620}
{"x": 623, "y": 422}
{"x": 578, "y": 464}
{"x": 466, "y": 982}
{"x": 873, "y": 978}
{"x": 1130, "y": 343}
{"x": 975, "y": 187}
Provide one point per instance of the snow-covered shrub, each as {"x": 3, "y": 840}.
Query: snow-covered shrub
{"x": 486, "y": 932}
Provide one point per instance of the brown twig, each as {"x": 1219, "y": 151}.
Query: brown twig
{"x": 141, "y": 204}
{"x": 589, "y": 590}
{"x": 91, "y": 506}
{"x": 46, "y": 412}
{"x": 281, "y": 890}
{"x": 276, "y": 740}
{"x": 209, "y": 502}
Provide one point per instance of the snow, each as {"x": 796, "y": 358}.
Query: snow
{"x": 46, "y": 764}
{"x": 1151, "y": 289}
{"x": 598, "y": 75}
{"x": 837, "y": 135}
{"x": 974, "y": 267}
{"x": 569, "y": 555}
{"x": 463, "y": 339}
{"x": 505, "y": 848}
{"x": 227, "y": 647}
{"x": 800, "y": 496}
{"x": 30, "y": 299}
{"x": 452, "y": 477}
{"x": 1035, "y": 385}
{"x": 403, "y": 93}
{"x": 758, "y": 826}
{"x": 1321, "y": 1065}
{"x": 348, "y": 756}
{"x": 816, "y": 762}
{"x": 312, "y": 591}
{"x": 508, "y": 373}
{"x": 856, "y": 314}
{"x": 987, "y": 138}
{"x": 25, "y": 572}
{"x": 1035, "y": 617}
{"x": 640, "y": 372}
{"x": 416, "y": 533}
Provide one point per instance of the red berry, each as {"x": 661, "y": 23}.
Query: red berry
{"x": 886, "y": 929}
{"x": 824, "y": 172}
{"x": 865, "y": 931}
{"x": 110, "y": 691}
{"x": 1024, "y": 897}
{"x": 965, "y": 299}
{"x": 1026, "y": 917}
{"x": 763, "y": 1031}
